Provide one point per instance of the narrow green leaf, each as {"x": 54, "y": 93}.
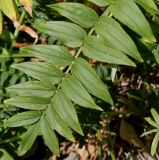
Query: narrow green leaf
{"x": 5, "y": 155}
{"x": 77, "y": 12}
{"x": 66, "y": 111}
{"x": 149, "y": 132}
{"x": 155, "y": 115}
{"x": 86, "y": 74}
{"x": 22, "y": 119}
{"x": 49, "y": 136}
{"x": 41, "y": 71}
{"x": 128, "y": 13}
{"x": 114, "y": 35}
{"x": 148, "y": 5}
{"x": 69, "y": 34}
{"x": 29, "y": 102}
{"x": 1, "y": 22}
{"x": 96, "y": 48}
{"x": 28, "y": 139}
{"x": 154, "y": 144}
{"x": 56, "y": 55}
{"x": 101, "y": 3}
{"x": 33, "y": 88}
{"x": 77, "y": 93}
{"x": 9, "y": 8}
{"x": 58, "y": 123}
{"x": 151, "y": 122}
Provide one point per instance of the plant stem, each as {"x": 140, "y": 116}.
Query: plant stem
{"x": 16, "y": 32}
{"x": 78, "y": 53}
{"x": 68, "y": 69}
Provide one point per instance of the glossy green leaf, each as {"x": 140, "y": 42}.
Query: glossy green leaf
{"x": 69, "y": 34}
{"x": 96, "y": 48}
{"x": 9, "y": 8}
{"x": 77, "y": 12}
{"x": 29, "y": 102}
{"x": 1, "y": 22}
{"x": 49, "y": 136}
{"x": 56, "y": 55}
{"x": 66, "y": 111}
{"x": 41, "y": 71}
{"x": 86, "y": 74}
{"x": 148, "y": 5}
{"x": 58, "y": 123}
{"x": 101, "y": 3}
{"x": 29, "y": 138}
{"x": 154, "y": 144}
{"x": 128, "y": 13}
{"x": 155, "y": 115}
{"x": 22, "y": 119}
{"x": 113, "y": 34}
{"x": 33, "y": 88}
{"x": 77, "y": 93}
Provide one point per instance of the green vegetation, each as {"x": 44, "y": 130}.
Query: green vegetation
{"x": 73, "y": 69}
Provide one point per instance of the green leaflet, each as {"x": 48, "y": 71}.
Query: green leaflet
{"x": 22, "y": 119}
{"x": 1, "y": 22}
{"x": 128, "y": 13}
{"x": 152, "y": 123}
{"x": 101, "y": 3}
{"x": 155, "y": 115}
{"x": 77, "y": 93}
{"x": 96, "y": 48}
{"x": 49, "y": 136}
{"x": 154, "y": 144}
{"x": 58, "y": 123}
{"x": 33, "y": 88}
{"x": 148, "y": 5}
{"x": 66, "y": 110}
{"x": 149, "y": 132}
{"x": 28, "y": 139}
{"x": 78, "y": 13}
{"x": 114, "y": 35}
{"x": 69, "y": 34}
{"x": 5, "y": 155}
{"x": 9, "y": 8}
{"x": 86, "y": 74}
{"x": 54, "y": 54}
{"x": 29, "y": 102}
{"x": 41, "y": 71}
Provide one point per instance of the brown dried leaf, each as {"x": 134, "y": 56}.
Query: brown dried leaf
{"x": 30, "y": 31}
{"x": 27, "y": 5}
